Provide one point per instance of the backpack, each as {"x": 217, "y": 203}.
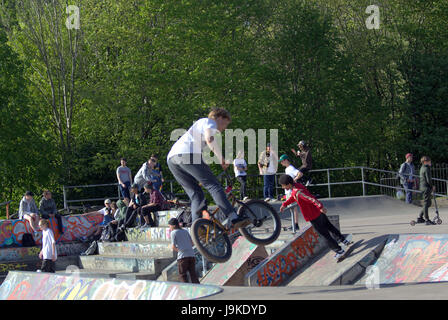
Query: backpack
{"x": 108, "y": 234}
{"x": 93, "y": 249}
{"x": 28, "y": 240}
{"x": 185, "y": 218}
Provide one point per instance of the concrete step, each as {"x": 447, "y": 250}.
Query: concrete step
{"x": 155, "y": 249}
{"x": 35, "y": 263}
{"x": 164, "y": 216}
{"x": 158, "y": 234}
{"x": 119, "y": 274}
{"x": 125, "y": 264}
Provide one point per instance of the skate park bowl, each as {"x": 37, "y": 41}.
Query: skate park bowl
{"x": 20, "y": 285}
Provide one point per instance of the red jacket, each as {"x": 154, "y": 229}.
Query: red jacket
{"x": 308, "y": 204}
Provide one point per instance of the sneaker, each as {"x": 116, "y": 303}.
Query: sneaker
{"x": 240, "y": 222}
{"x": 339, "y": 254}
{"x": 429, "y": 222}
{"x": 146, "y": 225}
{"x": 346, "y": 242}
{"x": 420, "y": 220}
{"x": 308, "y": 182}
{"x": 267, "y": 199}
{"x": 245, "y": 198}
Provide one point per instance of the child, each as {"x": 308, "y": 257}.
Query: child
{"x": 291, "y": 171}
{"x": 181, "y": 243}
{"x": 48, "y": 252}
{"x": 312, "y": 210}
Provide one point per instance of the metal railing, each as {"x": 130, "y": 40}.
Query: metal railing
{"x": 6, "y": 204}
{"x": 368, "y": 178}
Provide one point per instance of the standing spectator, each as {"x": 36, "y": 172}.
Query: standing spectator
{"x": 267, "y": 164}
{"x": 28, "y": 210}
{"x": 124, "y": 178}
{"x": 407, "y": 179}
{"x": 240, "y": 168}
{"x": 427, "y": 187}
{"x": 182, "y": 243}
{"x": 47, "y": 208}
{"x": 146, "y": 174}
{"x": 48, "y": 253}
{"x": 158, "y": 176}
{"x": 153, "y": 203}
{"x": 307, "y": 162}
{"x": 291, "y": 171}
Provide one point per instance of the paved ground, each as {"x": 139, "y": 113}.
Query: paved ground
{"x": 368, "y": 219}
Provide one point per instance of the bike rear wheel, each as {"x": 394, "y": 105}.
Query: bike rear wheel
{"x": 266, "y": 225}
{"x": 211, "y": 241}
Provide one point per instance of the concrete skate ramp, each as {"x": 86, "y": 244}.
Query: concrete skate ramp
{"x": 245, "y": 256}
{"x": 367, "y": 206}
{"x": 410, "y": 258}
{"x": 21, "y": 285}
{"x": 325, "y": 271}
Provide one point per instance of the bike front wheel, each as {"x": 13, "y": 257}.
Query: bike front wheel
{"x": 211, "y": 241}
{"x": 266, "y": 225}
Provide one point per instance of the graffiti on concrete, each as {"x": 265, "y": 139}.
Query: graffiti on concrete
{"x": 75, "y": 227}
{"x": 44, "y": 286}
{"x": 279, "y": 267}
{"x": 414, "y": 258}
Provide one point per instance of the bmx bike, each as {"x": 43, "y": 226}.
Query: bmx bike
{"x": 211, "y": 237}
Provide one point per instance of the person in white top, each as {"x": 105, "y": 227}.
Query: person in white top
{"x": 240, "y": 168}
{"x": 267, "y": 164}
{"x": 48, "y": 253}
{"x": 188, "y": 168}
{"x": 294, "y": 173}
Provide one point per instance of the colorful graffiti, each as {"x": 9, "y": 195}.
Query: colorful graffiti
{"x": 75, "y": 227}
{"x": 286, "y": 261}
{"x": 413, "y": 258}
{"x": 42, "y": 286}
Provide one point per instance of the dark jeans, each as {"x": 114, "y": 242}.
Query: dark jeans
{"x": 125, "y": 191}
{"x": 427, "y": 196}
{"x": 147, "y": 212}
{"x": 324, "y": 227}
{"x": 58, "y": 219}
{"x": 189, "y": 174}
{"x": 305, "y": 177}
{"x": 185, "y": 265}
{"x": 131, "y": 214}
{"x": 242, "y": 180}
{"x": 268, "y": 188}
{"x": 48, "y": 265}
{"x": 407, "y": 187}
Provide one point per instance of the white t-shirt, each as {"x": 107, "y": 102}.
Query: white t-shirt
{"x": 292, "y": 172}
{"x": 193, "y": 141}
{"x": 47, "y": 245}
{"x": 103, "y": 211}
{"x": 239, "y": 163}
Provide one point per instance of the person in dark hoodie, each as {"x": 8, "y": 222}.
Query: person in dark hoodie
{"x": 47, "y": 208}
{"x": 427, "y": 187}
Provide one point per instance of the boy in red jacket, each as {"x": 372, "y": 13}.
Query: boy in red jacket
{"x": 312, "y": 210}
